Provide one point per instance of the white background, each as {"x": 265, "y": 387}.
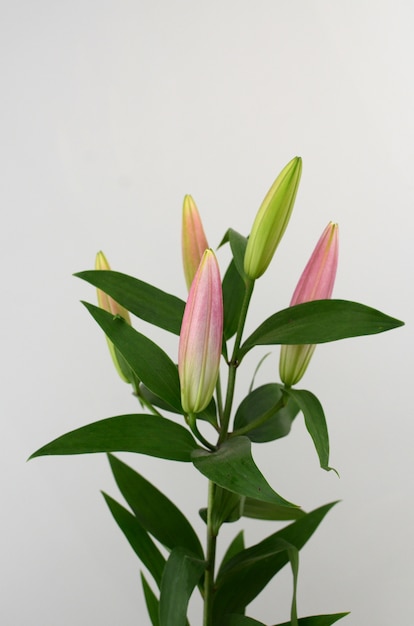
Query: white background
{"x": 109, "y": 113}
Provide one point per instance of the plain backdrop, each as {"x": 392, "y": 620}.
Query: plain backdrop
{"x": 109, "y": 113}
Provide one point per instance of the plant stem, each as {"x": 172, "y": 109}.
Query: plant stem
{"x": 211, "y": 559}
{"x": 234, "y": 363}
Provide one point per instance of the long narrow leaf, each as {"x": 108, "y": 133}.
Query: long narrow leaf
{"x": 242, "y": 620}
{"x": 267, "y": 511}
{"x": 138, "y": 538}
{"x": 250, "y": 570}
{"x": 236, "y": 546}
{"x": 146, "y": 434}
{"x": 315, "y": 422}
{"x": 256, "y": 560}
{"x": 233, "y": 468}
{"x": 233, "y": 295}
{"x": 151, "y": 601}
{"x": 182, "y": 573}
{"x": 319, "y": 321}
{"x": 238, "y": 245}
{"x": 149, "y": 362}
{"x": 158, "y": 515}
{"x": 315, "y": 620}
{"x": 143, "y": 300}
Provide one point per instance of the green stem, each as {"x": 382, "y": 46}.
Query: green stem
{"x": 211, "y": 559}
{"x": 219, "y": 397}
{"x": 192, "y": 422}
{"x": 234, "y": 362}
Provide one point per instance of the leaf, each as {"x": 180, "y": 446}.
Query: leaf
{"x": 233, "y": 296}
{"x": 182, "y": 573}
{"x": 315, "y": 422}
{"x": 157, "y": 514}
{"x": 232, "y": 467}
{"x": 259, "y": 561}
{"x": 266, "y": 511}
{"x": 250, "y": 570}
{"x": 141, "y": 299}
{"x": 316, "y": 620}
{"x": 138, "y": 538}
{"x": 260, "y": 402}
{"x": 238, "y": 245}
{"x": 236, "y": 546}
{"x": 151, "y": 601}
{"x": 258, "y": 366}
{"x": 227, "y": 508}
{"x": 242, "y": 620}
{"x": 319, "y": 321}
{"x": 151, "y": 364}
{"x": 146, "y": 434}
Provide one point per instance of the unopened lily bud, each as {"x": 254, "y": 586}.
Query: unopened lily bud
{"x": 272, "y": 219}
{"x": 194, "y": 241}
{"x": 201, "y": 337}
{"x": 108, "y": 304}
{"x": 316, "y": 283}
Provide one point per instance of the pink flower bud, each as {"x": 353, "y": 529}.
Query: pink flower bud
{"x": 201, "y": 337}
{"x": 316, "y": 283}
{"x": 108, "y": 304}
{"x": 194, "y": 241}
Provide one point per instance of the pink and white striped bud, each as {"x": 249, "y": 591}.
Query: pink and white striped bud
{"x": 316, "y": 283}
{"x": 201, "y": 337}
{"x": 108, "y": 304}
{"x": 193, "y": 239}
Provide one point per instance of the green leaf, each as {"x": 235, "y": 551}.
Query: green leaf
{"x": 251, "y": 569}
{"x": 141, "y": 299}
{"x": 146, "y": 434}
{"x": 319, "y": 321}
{"x": 157, "y": 514}
{"x": 264, "y": 401}
{"x": 227, "y": 508}
{"x": 256, "y": 559}
{"x": 242, "y": 620}
{"x": 151, "y": 364}
{"x": 316, "y": 620}
{"x": 232, "y": 467}
{"x": 208, "y": 415}
{"x": 236, "y": 546}
{"x": 267, "y": 511}
{"x": 182, "y": 573}
{"x": 233, "y": 295}
{"x": 238, "y": 245}
{"x": 138, "y": 538}
{"x": 315, "y": 422}
{"x": 258, "y": 366}
{"x": 151, "y": 601}
{"x": 155, "y": 400}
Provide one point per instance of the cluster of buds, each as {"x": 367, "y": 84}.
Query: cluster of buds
{"x": 201, "y": 333}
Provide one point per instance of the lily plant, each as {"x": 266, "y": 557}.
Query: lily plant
{"x": 187, "y": 411}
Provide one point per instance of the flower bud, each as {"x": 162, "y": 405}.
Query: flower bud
{"x": 272, "y": 219}
{"x": 108, "y": 304}
{"x": 316, "y": 283}
{"x": 201, "y": 337}
{"x": 194, "y": 241}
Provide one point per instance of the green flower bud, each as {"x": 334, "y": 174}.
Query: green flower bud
{"x": 272, "y": 219}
